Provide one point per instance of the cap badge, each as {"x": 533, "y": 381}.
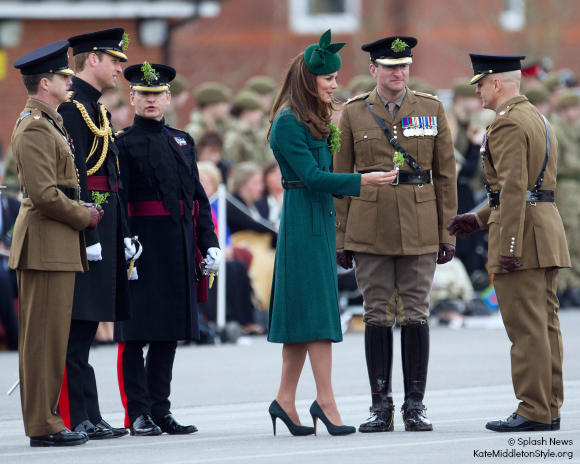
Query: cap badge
{"x": 398, "y": 45}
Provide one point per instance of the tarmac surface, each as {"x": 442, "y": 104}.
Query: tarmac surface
{"x": 226, "y": 390}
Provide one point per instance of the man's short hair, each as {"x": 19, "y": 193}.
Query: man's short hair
{"x": 32, "y": 81}
{"x": 81, "y": 59}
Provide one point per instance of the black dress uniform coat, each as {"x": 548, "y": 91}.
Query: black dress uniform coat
{"x": 111, "y": 301}
{"x": 158, "y": 164}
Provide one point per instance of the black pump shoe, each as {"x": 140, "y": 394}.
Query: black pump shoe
{"x": 414, "y": 417}
{"x": 555, "y": 423}
{"x": 144, "y": 426}
{"x": 169, "y": 425}
{"x": 517, "y": 423}
{"x": 116, "y": 432}
{"x": 94, "y": 432}
{"x": 63, "y": 438}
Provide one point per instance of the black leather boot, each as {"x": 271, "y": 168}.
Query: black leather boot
{"x": 379, "y": 354}
{"x": 415, "y": 353}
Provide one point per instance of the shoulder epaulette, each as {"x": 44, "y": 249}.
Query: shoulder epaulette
{"x": 358, "y": 97}
{"x": 70, "y": 94}
{"x": 123, "y": 132}
{"x": 176, "y": 129}
{"x": 426, "y": 95}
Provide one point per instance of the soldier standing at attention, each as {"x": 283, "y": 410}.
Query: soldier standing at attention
{"x": 169, "y": 211}
{"x": 102, "y": 294}
{"x": 527, "y": 243}
{"x": 396, "y": 232}
{"x": 48, "y": 244}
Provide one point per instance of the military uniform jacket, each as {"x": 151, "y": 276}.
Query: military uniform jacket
{"x": 158, "y": 164}
{"x": 102, "y": 294}
{"x": 304, "y": 301}
{"x": 513, "y": 158}
{"x": 48, "y": 230}
{"x": 403, "y": 219}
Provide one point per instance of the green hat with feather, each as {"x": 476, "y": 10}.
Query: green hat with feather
{"x": 323, "y": 58}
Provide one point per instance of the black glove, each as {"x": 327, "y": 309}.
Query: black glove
{"x": 446, "y": 253}
{"x": 344, "y": 258}
{"x": 462, "y": 225}
{"x": 509, "y": 264}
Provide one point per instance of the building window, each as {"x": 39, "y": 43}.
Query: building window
{"x": 316, "y": 16}
{"x": 513, "y": 17}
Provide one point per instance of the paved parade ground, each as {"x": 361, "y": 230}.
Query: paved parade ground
{"x": 226, "y": 390}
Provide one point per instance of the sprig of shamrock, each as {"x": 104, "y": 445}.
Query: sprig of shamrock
{"x": 99, "y": 198}
{"x": 398, "y": 159}
{"x": 398, "y": 45}
{"x": 149, "y": 74}
{"x": 333, "y": 138}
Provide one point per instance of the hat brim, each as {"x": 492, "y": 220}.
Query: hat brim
{"x": 477, "y": 77}
{"x": 394, "y": 61}
{"x": 64, "y": 72}
{"x": 142, "y": 88}
{"x": 117, "y": 54}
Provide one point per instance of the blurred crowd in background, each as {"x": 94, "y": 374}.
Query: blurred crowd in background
{"x": 230, "y": 130}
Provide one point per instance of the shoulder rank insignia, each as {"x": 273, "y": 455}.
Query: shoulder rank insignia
{"x": 180, "y": 141}
{"x": 37, "y": 116}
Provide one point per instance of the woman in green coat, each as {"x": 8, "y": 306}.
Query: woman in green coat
{"x": 304, "y": 312}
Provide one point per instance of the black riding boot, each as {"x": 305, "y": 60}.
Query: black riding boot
{"x": 379, "y": 354}
{"x": 415, "y": 353}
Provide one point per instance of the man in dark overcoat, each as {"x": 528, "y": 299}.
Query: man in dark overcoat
{"x": 102, "y": 293}
{"x": 170, "y": 213}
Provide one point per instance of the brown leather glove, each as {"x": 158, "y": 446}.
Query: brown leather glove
{"x": 344, "y": 258}
{"x": 509, "y": 264}
{"x": 462, "y": 225}
{"x": 446, "y": 253}
{"x": 95, "y": 218}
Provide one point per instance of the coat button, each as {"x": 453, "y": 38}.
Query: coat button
{"x": 331, "y": 214}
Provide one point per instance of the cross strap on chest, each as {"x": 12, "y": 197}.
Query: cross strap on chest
{"x": 394, "y": 142}
{"x": 536, "y": 194}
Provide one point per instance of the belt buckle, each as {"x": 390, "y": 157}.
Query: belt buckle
{"x": 396, "y": 181}
{"x": 532, "y": 203}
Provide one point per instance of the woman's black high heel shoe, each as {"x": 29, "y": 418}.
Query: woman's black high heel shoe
{"x": 317, "y": 413}
{"x": 276, "y": 411}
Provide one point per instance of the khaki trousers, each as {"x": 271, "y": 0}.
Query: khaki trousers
{"x": 385, "y": 280}
{"x": 529, "y": 308}
{"x": 45, "y": 313}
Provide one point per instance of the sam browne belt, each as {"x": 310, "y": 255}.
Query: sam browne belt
{"x": 532, "y": 196}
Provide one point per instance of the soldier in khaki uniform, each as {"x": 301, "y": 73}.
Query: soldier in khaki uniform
{"x": 48, "y": 244}
{"x": 566, "y": 124}
{"x": 213, "y": 110}
{"x": 527, "y": 244}
{"x": 396, "y": 233}
{"x": 246, "y": 141}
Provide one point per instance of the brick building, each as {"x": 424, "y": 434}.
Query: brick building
{"x": 232, "y": 40}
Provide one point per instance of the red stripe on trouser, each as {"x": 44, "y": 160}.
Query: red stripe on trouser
{"x": 63, "y": 402}
{"x": 121, "y": 381}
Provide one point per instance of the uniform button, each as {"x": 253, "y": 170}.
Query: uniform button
{"x": 331, "y": 214}
{"x": 365, "y": 136}
{"x": 394, "y": 132}
{"x": 395, "y": 136}
{"x": 394, "y": 127}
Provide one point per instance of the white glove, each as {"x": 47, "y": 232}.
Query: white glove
{"x": 134, "y": 275}
{"x": 94, "y": 252}
{"x": 130, "y": 249}
{"x": 212, "y": 260}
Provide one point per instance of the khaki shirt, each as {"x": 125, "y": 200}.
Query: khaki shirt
{"x": 513, "y": 158}
{"x": 48, "y": 233}
{"x": 403, "y": 219}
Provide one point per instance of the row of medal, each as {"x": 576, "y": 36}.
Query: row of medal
{"x": 419, "y": 126}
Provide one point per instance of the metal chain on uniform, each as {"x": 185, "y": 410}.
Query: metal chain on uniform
{"x": 104, "y": 132}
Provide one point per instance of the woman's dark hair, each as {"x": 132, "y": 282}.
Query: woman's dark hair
{"x": 267, "y": 169}
{"x": 300, "y": 92}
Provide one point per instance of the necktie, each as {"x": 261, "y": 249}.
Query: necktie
{"x": 391, "y": 107}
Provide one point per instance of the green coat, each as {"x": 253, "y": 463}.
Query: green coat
{"x": 304, "y": 300}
